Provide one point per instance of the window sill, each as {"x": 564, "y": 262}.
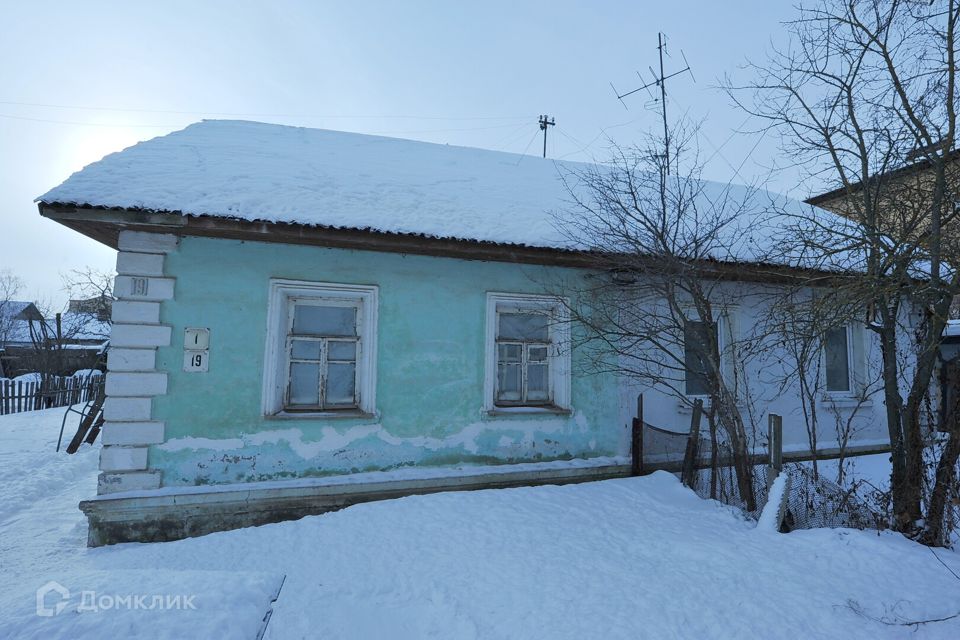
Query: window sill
{"x": 686, "y": 406}
{"x": 845, "y": 401}
{"x": 320, "y": 415}
{"x": 527, "y": 411}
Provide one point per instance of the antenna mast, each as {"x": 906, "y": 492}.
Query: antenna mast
{"x": 659, "y": 80}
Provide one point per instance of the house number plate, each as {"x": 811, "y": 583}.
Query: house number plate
{"x": 196, "y": 349}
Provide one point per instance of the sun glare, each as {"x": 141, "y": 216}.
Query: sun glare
{"x": 86, "y": 144}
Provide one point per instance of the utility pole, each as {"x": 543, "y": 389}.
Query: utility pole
{"x": 545, "y": 121}
{"x": 659, "y": 80}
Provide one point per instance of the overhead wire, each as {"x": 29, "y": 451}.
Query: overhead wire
{"x": 174, "y": 126}
{"x": 527, "y": 148}
{"x": 88, "y": 124}
{"x": 253, "y": 114}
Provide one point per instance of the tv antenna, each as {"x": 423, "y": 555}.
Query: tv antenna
{"x": 659, "y": 80}
{"x": 545, "y": 121}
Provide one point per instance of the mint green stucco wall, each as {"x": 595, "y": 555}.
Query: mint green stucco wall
{"x": 429, "y": 378}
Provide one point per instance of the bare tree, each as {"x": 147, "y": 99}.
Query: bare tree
{"x": 55, "y": 335}
{"x": 10, "y": 287}
{"x": 658, "y": 310}
{"x": 795, "y": 329}
{"x": 865, "y": 87}
{"x": 93, "y": 289}
{"x": 797, "y": 325}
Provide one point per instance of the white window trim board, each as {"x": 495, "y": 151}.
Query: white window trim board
{"x": 560, "y": 368}
{"x": 275, "y": 353}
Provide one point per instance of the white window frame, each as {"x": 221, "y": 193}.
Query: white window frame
{"x": 851, "y": 366}
{"x": 276, "y": 364}
{"x": 559, "y": 378}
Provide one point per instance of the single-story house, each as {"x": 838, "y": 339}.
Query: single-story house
{"x": 306, "y": 318}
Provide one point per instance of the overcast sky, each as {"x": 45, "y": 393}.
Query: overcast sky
{"x": 83, "y": 79}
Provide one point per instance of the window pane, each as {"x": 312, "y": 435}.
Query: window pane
{"x": 313, "y": 320}
{"x": 537, "y": 354}
{"x": 510, "y": 352}
{"x": 304, "y": 384}
{"x": 340, "y": 384}
{"x": 696, "y": 341}
{"x": 524, "y": 326}
{"x": 508, "y": 382}
{"x": 305, "y": 349}
{"x": 838, "y": 366}
{"x": 537, "y": 378}
{"x": 339, "y": 350}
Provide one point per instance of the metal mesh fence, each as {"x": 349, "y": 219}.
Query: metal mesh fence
{"x": 812, "y": 502}
{"x": 817, "y": 502}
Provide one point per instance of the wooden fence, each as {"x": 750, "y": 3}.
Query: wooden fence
{"x": 17, "y": 395}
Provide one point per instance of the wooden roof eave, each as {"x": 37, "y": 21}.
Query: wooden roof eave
{"x": 105, "y": 224}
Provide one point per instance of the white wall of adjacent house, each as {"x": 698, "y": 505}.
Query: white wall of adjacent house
{"x": 856, "y": 412}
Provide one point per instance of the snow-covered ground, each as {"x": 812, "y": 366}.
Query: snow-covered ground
{"x": 628, "y": 558}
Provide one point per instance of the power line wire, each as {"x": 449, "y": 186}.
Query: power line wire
{"x": 253, "y": 114}
{"x": 514, "y": 136}
{"x": 390, "y": 132}
{"x": 729, "y": 138}
{"x": 174, "y": 126}
{"x": 603, "y": 131}
{"x": 89, "y": 124}
{"x": 527, "y": 148}
{"x": 576, "y": 142}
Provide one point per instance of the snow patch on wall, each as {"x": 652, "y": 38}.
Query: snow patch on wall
{"x": 293, "y": 452}
{"x": 333, "y": 439}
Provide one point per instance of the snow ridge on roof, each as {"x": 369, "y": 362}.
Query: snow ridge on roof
{"x": 274, "y": 173}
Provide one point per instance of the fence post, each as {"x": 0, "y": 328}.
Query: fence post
{"x": 688, "y": 475}
{"x": 636, "y": 440}
{"x": 775, "y": 443}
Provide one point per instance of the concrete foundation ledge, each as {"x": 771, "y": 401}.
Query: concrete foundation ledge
{"x": 173, "y": 513}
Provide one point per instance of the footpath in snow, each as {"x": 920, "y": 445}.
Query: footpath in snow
{"x": 631, "y": 558}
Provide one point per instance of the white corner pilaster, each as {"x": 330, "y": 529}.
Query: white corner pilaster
{"x": 132, "y": 377}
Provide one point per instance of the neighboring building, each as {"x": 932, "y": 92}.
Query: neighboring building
{"x": 904, "y": 196}
{"x": 911, "y": 181}
{"x": 96, "y": 308}
{"x": 30, "y": 343}
{"x": 295, "y": 307}
{"x": 15, "y": 318}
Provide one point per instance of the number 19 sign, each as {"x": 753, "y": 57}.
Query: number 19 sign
{"x": 196, "y": 349}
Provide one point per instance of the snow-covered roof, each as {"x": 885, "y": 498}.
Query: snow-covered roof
{"x": 83, "y": 326}
{"x": 15, "y": 316}
{"x": 13, "y": 308}
{"x": 74, "y": 327}
{"x": 952, "y": 329}
{"x": 15, "y": 332}
{"x": 266, "y": 172}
